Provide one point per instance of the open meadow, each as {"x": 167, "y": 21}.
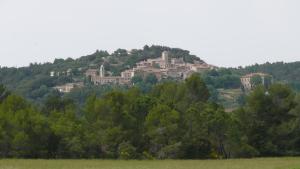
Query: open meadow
{"x": 261, "y": 163}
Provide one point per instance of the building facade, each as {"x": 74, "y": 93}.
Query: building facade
{"x": 67, "y": 88}
{"x": 246, "y": 80}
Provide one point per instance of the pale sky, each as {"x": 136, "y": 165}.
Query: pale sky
{"x": 221, "y": 32}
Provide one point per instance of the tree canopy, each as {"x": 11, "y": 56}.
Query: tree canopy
{"x": 173, "y": 120}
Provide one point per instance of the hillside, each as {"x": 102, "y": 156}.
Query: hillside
{"x": 282, "y": 72}
{"x": 34, "y": 82}
{"x": 225, "y": 84}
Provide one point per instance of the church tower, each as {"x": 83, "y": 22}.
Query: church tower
{"x": 102, "y": 71}
{"x": 165, "y": 58}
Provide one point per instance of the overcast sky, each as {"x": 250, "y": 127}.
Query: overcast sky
{"x": 223, "y": 33}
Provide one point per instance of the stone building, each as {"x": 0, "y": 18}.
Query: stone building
{"x": 113, "y": 80}
{"x": 200, "y": 67}
{"x": 177, "y": 61}
{"x": 128, "y": 73}
{"x": 99, "y": 78}
{"x": 246, "y": 80}
{"x": 159, "y": 73}
{"x": 67, "y": 88}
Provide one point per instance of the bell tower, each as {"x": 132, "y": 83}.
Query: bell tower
{"x": 165, "y": 58}
{"x": 102, "y": 71}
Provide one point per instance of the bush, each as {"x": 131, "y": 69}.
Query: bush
{"x": 127, "y": 151}
{"x": 170, "y": 151}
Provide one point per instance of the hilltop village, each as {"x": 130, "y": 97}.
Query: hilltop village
{"x": 162, "y": 67}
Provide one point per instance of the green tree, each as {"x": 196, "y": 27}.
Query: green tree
{"x": 265, "y": 118}
{"x": 256, "y": 80}
{"x": 196, "y": 89}
{"x": 294, "y": 127}
{"x": 151, "y": 79}
{"x": 162, "y": 124}
{"x": 23, "y": 129}
{"x": 66, "y": 139}
{"x": 195, "y": 142}
{"x": 3, "y": 93}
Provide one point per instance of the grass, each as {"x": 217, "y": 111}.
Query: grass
{"x": 260, "y": 163}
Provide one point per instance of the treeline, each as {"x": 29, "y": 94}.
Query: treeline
{"x": 172, "y": 120}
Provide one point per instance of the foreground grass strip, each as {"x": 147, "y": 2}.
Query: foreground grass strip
{"x": 261, "y": 163}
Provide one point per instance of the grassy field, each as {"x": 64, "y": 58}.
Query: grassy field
{"x": 228, "y": 98}
{"x": 262, "y": 163}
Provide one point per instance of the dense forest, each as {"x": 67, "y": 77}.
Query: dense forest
{"x": 170, "y": 120}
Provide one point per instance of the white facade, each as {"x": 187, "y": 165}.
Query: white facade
{"x": 52, "y": 73}
{"x": 102, "y": 71}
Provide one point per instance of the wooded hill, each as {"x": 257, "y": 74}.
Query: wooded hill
{"x": 34, "y": 82}
{"x": 283, "y": 72}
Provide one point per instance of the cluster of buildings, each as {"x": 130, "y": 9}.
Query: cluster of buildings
{"x": 162, "y": 67}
